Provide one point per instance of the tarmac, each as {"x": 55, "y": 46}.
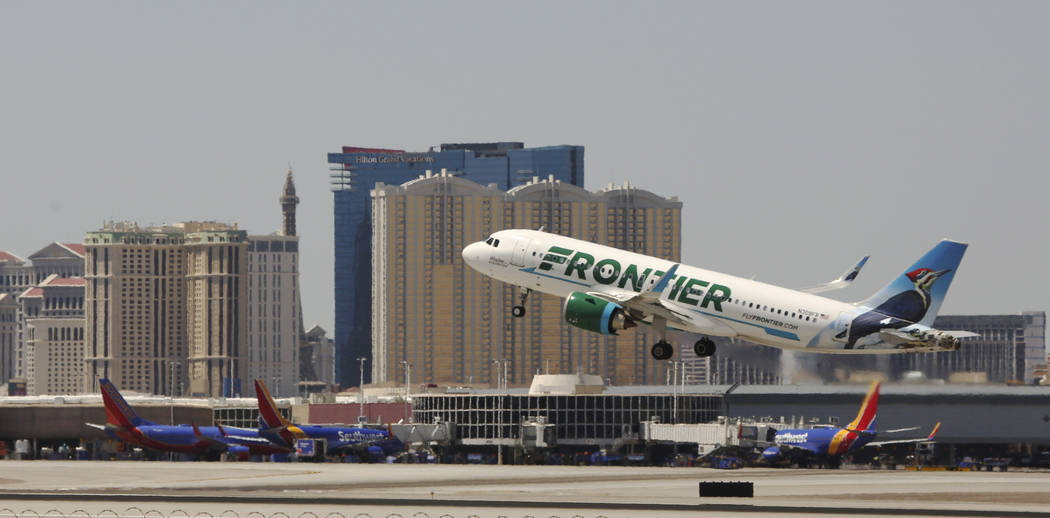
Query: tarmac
{"x": 269, "y": 490}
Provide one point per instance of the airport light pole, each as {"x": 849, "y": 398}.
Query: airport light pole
{"x": 361, "y": 413}
{"x": 407, "y": 378}
{"x": 171, "y": 379}
{"x": 501, "y": 388}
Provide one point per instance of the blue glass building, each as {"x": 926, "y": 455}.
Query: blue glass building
{"x": 355, "y": 172}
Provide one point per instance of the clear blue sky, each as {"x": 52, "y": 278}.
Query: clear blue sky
{"x": 799, "y": 135}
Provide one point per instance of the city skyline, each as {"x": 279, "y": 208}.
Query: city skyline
{"x": 798, "y": 137}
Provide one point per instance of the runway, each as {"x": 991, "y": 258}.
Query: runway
{"x": 156, "y": 489}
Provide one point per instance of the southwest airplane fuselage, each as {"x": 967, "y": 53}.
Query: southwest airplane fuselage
{"x": 693, "y": 299}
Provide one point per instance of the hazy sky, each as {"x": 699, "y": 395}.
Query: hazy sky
{"x": 799, "y": 135}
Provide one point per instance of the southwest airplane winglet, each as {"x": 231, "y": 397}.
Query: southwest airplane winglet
{"x": 934, "y": 432}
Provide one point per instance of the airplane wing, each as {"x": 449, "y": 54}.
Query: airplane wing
{"x": 649, "y": 304}
{"x": 843, "y": 281}
{"x": 242, "y": 436}
{"x": 928, "y": 438}
{"x": 96, "y": 426}
{"x": 208, "y": 443}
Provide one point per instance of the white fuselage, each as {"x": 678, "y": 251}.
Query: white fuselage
{"x": 714, "y": 303}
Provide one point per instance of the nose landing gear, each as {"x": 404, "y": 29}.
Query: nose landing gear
{"x": 523, "y": 296}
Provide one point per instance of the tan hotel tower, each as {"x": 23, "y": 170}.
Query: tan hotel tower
{"x": 163, "y": 307}
{"x": 450, "y": 323}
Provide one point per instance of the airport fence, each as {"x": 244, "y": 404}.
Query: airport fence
{"x": 136, "y": 512}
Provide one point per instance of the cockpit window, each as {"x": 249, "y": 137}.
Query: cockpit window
{"x": 495, "y": 243}
{"x": 488, "y": 241}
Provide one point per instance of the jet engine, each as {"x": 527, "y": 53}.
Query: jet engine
{"x": 771, "y": 453}
{"x": 238, "y": 451}
{"x": 595, "y": 314}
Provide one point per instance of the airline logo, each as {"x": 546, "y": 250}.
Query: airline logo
{"x": 584, "y": 266}
{"x": 791, "y": 438}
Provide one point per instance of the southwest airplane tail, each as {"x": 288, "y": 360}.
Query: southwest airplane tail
{"x": 865, "y": 419}
{"x": 118, "y": 412}
{"x": 272, "y": 425}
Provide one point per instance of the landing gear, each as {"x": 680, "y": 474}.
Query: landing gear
{"x": 704, "y": 347}
{"x": 523, "y": 296}
{"x": 663, "y": 350}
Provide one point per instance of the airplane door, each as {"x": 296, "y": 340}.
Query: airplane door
{"x": 842, "y": 327}
{"x": 521, "y": 248}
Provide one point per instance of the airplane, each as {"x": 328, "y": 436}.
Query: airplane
{"x": 830, "y": 442}
{"x": 367, "y": 443}
{"x": 608, "y": 290}
{"x": 209, "y": 441}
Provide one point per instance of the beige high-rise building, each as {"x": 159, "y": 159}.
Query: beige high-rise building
{"x": 165, "y": 307}
{"x": 217, "y": 309}
{"x": 451, "y": 323}
{"x": 8, "y": 337}
{"x": 54, "y": 336}
{"x": 135, "y": 308}
{"x": 273, "y": 313}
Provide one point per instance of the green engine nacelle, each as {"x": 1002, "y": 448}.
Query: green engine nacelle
{"x": 595, "y": 314}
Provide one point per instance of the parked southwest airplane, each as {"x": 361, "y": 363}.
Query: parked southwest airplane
{"x": 209, "y": 441}
{"x": 365, "y": 442}
{"x": 608, "y": 290}
{"x": 828, "y": 443}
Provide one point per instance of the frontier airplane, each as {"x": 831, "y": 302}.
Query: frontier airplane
{"x": 607, "y": 290}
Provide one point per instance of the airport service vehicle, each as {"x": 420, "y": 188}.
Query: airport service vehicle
{"x": 367, "y": 443}
{"x": 608, "y": 290}
{"x": 826, "y": 444}
{"x": 207, "y": 441}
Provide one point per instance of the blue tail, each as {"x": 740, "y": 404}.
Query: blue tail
{"x": 916, "y": 295}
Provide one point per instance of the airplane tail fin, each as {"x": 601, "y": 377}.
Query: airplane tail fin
{"x": 930, "y": 277}
{"x": 865, "y": 419}
{"x": 268, "y": 413}
{"x": 118, "y": 412}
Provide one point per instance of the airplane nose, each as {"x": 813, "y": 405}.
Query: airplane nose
{"x": 472, "y": 254}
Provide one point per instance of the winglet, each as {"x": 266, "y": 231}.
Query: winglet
{"x": 665, "y": 280}
{"x": 843, "y": 281}
{"x": 934, "y": 432}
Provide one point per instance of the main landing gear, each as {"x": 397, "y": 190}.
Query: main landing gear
{"x": 523, "y": 295}
{"x": 663, "y": 350}
{"x": 704, "y": 347}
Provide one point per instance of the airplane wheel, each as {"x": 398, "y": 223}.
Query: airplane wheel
{"x": 662, "y": 350}
{"x": 704, "y": 347}
{"x": 518, "y": 311}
